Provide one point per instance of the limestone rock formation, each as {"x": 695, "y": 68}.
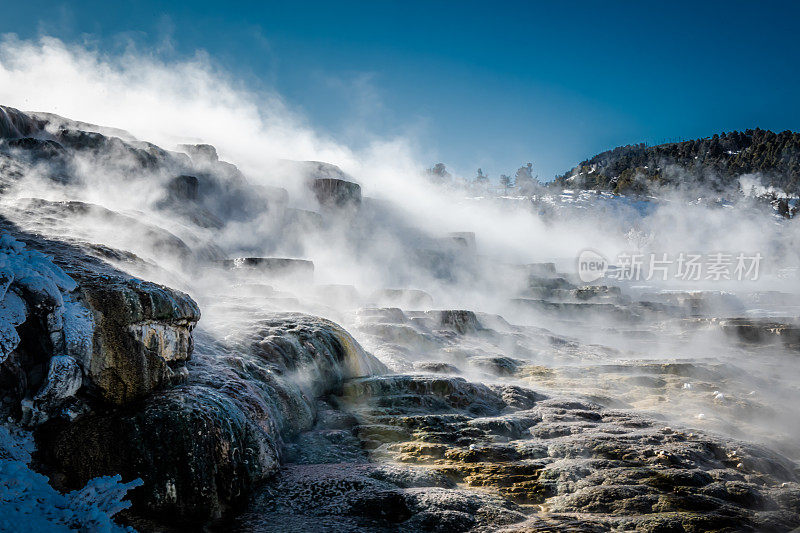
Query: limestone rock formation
{"x": 81, "y": 326}
{"x": 201, "y": 446}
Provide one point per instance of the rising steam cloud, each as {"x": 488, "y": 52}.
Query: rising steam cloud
{"x": 193, "y": 100}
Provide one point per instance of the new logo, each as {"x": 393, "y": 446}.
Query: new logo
{"x": 591, "y": 266}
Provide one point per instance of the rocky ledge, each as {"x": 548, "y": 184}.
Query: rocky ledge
{"x": 80, "y": 333}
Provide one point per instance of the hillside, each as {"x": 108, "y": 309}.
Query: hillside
{"x": 714, "y": 162}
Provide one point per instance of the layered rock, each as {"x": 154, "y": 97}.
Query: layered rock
{"x": 86, "y": 328}
{"x": 586, "y": 467}
{"x": 142, "y": 336}
{"x": 764, "y": 331}
{"x": 201, "y": 446}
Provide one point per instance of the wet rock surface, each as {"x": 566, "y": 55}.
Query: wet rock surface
{"x": 466, "y": 457}
{"x": 345, "y": 497}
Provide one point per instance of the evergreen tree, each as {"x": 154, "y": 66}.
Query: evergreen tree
{"x": 524, "y": 174}
{"x": 526, "y": 183}
{"x": 438, "y": 173}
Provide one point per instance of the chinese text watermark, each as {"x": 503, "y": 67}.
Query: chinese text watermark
{"x": 683, "y": 266}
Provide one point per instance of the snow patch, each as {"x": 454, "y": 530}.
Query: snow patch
{"x": 31, "y": 284}
{"x": 29, "y": 503}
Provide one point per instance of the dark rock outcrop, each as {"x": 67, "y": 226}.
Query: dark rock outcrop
{"x": 755, "y": 331}
{"x": 279, "y": 267}
{"x": 332, "y": 192}
{"x": 15, "y": 124}
{"x": 460, "y": 320}
{"x": 183, "y": 188}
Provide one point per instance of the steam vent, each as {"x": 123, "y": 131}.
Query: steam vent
{"x": 254, "y": 310}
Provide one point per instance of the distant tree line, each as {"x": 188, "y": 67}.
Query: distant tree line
{"x": 523, "y": 181}
{"x": 713, "y": 162}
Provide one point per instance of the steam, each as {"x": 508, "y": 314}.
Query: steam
{"x": 194, "y": 101}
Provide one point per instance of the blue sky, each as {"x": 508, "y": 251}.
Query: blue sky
{"x": 489, "y": 84}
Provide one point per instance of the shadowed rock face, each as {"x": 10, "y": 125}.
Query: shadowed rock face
{"x": 15, "y": 124}
{"x": 38, "y": 149}
{"x": 196, "y": 449}
{"x": 331, "y": 186}
{"x": 334, "y": 192}
{"x": 183, "y": 188}
{"x": 786, "y": 332}
{"x": 460, "y": 320}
